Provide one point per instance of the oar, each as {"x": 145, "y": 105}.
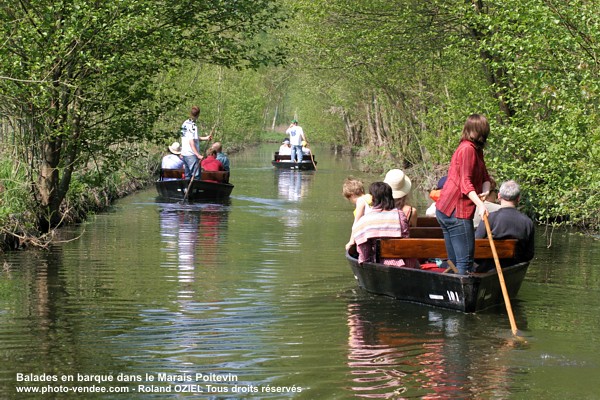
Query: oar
{"x": 190, "y": 184}
{"x": 312, "y": 159}
{"x": 511, "y": 317}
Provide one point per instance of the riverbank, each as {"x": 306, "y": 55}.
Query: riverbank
{"x": 90, "y": 192}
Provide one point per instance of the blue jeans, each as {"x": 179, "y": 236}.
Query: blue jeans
{"x": 190, "y": 165}
{"x": 297, "y": 150}
{"x": 459, "y": 235}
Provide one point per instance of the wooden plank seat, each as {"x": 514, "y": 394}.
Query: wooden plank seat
{"x": 216, "y": 176}
{"x": 429, "y": 232}
{"x": 436, "y": 248}
{"x": 427, "y": 222}
{"x": 172, "y": 173}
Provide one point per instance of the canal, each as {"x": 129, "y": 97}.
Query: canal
{"x": 252, "y": 298}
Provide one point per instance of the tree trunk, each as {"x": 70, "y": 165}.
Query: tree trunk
{"x": 496, "y": 76}
{"x": 47, "y": 186}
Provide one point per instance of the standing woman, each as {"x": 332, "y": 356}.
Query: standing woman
{"x": 468, "y": 182}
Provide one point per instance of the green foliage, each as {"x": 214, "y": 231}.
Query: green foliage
{"x": 405, "y": 74}
{"x": 79, "y": 78}
{"x": 14, "y": 194}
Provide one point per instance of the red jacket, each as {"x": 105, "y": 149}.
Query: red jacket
{"x": 210, "y": 163}
{"x": 467, "y": 173}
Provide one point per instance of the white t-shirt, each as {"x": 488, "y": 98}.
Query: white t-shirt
{"x": 189, "y": 130}
{"x": 171, "y": 161}
{"x": 296, "y": 134}
{"x": 285, "y": 150}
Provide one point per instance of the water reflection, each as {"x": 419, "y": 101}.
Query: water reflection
{"x": 405, "y": 350}
{"x": 293, "y": 185}
{"x": 187, "y": 229}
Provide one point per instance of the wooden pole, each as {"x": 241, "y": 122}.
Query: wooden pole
{"x": 511, "y": 317}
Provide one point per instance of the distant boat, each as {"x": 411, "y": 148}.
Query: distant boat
{"x": 211, "y": 185}
{"x": 434, "y": 286}
{"x": 284, "y": 162}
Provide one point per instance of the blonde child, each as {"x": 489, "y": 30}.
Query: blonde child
{"x": 354, "y": 191}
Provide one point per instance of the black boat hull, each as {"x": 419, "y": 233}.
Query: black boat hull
{"x": 200, "y": 190}
{"x": 466, "y": 293}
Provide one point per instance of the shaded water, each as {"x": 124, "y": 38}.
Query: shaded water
{"x": 255, "y": 295}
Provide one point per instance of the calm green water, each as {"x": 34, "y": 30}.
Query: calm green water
{"x": 255, "y": 296}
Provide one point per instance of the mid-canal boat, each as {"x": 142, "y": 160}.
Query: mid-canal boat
{"x": 284, "y": 162}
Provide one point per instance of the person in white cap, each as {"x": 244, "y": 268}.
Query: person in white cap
{"x": 285, "y": 149}
{"x": 401, "y": 185}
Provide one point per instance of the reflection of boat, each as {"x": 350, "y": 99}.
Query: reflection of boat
{"x": 194, "y": 229}
{"x": 467, "y": 293}
{"x": 403, "y": 350}
{"x": 284, "y": 162}
{"x": 212, "y": 185}
{"x": 292, "y": 185}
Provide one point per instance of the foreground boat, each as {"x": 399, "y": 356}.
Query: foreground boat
{"x": 211, "y": 185}
{"x": 284, "y": 162}
{"x": 435, "y": 286}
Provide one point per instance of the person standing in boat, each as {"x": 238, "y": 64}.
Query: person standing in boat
{"x": 220, "y": 155}
{"x": 190, "y": 144}
{"x": 383, "y": 221}
{"x": 467, "y": 184}
{"x": 297, "y": 136}
{"x": 401, "y": 185}
{"x": 509, "y": 223}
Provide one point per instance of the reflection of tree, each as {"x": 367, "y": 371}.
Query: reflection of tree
{"x": 421, "y": 352}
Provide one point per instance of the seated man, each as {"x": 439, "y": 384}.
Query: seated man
{"x": 509, "y": 223}
{"x": 221, "y": 156}
{"x": 173, "y": 159}
{"x": 285, "y": 149}
{"x": 210, "y": 162}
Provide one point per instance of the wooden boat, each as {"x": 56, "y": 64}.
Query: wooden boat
{"x": 211, "y": 185}
{"x": 436, "y": 286}
{"x": 284, "y": 162}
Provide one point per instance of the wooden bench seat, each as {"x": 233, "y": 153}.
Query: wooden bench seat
{"x": 426, "y": 232}
{"x": 436, "y": 248}
{"x": 216, "y": 176}
{"x": 172, "y": 173}
{"x": 427, "y": 222}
